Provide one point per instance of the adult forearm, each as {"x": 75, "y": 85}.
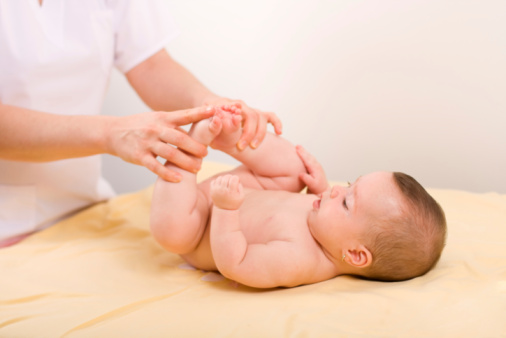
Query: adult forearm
{"x": 165, "y": 85}
{"x": 27, "y": 135}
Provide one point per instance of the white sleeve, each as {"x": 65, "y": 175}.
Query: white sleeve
{"x": 142, "y": 28}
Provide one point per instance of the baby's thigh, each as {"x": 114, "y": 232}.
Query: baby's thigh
{"x": 201, "y": 257}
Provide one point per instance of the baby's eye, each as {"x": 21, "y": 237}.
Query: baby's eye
{"x": 344, "y": 204}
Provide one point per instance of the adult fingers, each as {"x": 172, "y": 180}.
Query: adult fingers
{"x": 275, "y": 121}
{"x": 176, "y": 157}
{"x": 249, "y": 128}
{"x": 264, "y": 118}
{"x": 182, "y": 140}
{"x": 261, "y": 131}
{"x": 159, "y": 169}
{"x": 187, "y": 116}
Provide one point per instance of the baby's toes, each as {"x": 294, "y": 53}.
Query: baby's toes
{"x": 215, "y": 125}
{"x": 232, "y": 124}
{"x": 236, "y": 121}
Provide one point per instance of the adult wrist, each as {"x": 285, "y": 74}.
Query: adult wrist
{"x": 207, "y": 99}
{"x": 105, "y": 134}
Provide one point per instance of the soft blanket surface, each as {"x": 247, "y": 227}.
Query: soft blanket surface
{"x": 101, "y": 274}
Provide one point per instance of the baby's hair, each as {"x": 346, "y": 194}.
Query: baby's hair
{"x": 410, "y": 245}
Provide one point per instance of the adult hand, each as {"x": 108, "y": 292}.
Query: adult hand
{"x": 254, "y": 121}
{"x": 141, "y": 138}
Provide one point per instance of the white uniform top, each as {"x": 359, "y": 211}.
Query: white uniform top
{"x": 57, "y": 58}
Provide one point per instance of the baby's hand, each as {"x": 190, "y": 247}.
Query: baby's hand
{"x": 227, "y": 192}
{"x": 315, "y": 178}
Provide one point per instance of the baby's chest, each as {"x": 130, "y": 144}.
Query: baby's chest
{"x": 264, "y": 221}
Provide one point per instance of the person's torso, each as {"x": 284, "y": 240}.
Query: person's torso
{"x": 54, "y": 58}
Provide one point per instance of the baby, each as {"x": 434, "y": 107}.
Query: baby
{"x": 254, "y": 226}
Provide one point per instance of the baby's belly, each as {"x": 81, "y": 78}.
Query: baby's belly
{"x": 264, "y": 216}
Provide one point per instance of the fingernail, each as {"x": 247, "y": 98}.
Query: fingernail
{"x": 242, "y": 145}
{"x": 254, "y": 144}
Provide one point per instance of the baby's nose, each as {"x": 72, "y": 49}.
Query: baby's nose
{"x": 327, "y": 191}
{"x": 336, "y": 191}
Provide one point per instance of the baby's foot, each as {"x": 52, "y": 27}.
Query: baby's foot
{"x": 227, "y": 192}
{"x": 230, "y": 132}
{"x": 205, "y": 131}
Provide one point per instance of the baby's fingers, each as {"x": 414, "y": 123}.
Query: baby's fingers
{"x": 235, "y": 184}
{"x": 217, "y": 182}
{"x": 307, "y": 179}
{"x": 308, "y": 159}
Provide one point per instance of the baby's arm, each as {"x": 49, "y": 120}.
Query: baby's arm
{"x": 262, "y": 265}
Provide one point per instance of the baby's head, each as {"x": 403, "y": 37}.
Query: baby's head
{"x": 385, "y": 226}
{"x": 410, "y": 243}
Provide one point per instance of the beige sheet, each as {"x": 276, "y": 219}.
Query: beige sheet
{"x": 100, "y": 274}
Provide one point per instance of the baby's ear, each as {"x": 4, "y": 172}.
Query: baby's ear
{"x": 359, "y": 256}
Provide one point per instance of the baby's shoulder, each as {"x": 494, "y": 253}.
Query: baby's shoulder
{"x": 312, "y": 264}
{"x": 322, "y": 266}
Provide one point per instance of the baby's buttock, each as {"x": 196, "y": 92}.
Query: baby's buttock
{"x": 202, "y": 257}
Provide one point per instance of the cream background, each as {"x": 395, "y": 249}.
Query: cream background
{"x": 414, "y": 86}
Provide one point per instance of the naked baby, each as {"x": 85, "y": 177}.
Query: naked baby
{"x": 254, "y": 226}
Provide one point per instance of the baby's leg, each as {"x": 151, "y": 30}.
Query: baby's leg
{"x": 180, "y": 211}
{"x": 228, "y": 243}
